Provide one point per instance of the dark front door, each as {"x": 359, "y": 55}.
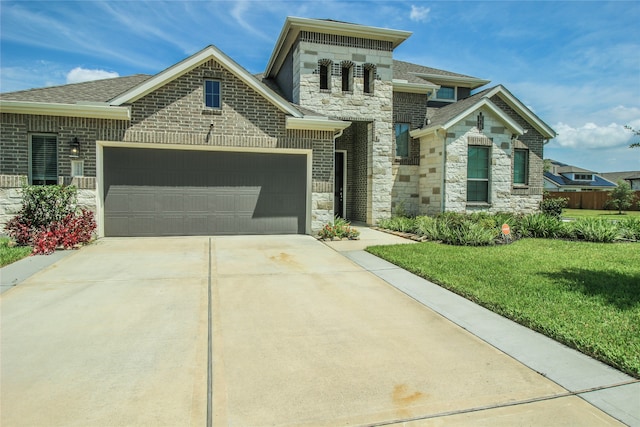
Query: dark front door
{"x": 339, "y": 189}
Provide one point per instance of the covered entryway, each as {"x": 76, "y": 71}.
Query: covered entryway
{"x": 166, "y": 192}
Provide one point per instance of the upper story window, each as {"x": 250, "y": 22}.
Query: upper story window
{"x": 447, "y": 93}
{"x": 402, "y": 139}
{"x": 43, "y": 160}
{"x": 347, "y": 76}
{"x": 212, "y": 94}
{"x": 520, "y": 167}
{"x": 478, "y": 173}
{"x": 583, "y": 177}
{"x": 369, "y": 77}
{"x": 324, "y": 70}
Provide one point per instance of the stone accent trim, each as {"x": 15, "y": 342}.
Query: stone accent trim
{"x": 12, "y": 181}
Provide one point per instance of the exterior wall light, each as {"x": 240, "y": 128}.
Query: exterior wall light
{"x": 75, "y": 147}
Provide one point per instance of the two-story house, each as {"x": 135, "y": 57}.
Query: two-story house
{"x": 334, "y": 126}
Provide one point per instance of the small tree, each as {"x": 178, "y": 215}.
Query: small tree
{"x": 621, "y": 197}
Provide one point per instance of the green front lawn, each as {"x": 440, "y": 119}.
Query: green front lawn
{"x": 11, "y": 254}
{"x": 586, "y": 295}
{"x": 612, "y": 214}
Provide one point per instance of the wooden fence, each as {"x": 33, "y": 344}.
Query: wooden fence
{"x": 589, "y": 199}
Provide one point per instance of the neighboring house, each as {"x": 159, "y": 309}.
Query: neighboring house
{"x": 562, "y": 177}
{"x": 334, "y": 126}
{"x": 632, "y": 177}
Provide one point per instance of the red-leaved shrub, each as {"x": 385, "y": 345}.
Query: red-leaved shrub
{"x": 73, "y": 230}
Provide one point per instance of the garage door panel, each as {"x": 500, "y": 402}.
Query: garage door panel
{"x": 173, "y": 192}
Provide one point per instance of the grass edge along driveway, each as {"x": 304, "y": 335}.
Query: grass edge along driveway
{"x": 585, "y": 295}
{"x": 9, "y": 254}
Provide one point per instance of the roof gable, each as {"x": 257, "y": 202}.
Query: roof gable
{"x": 183, "y": 67}
{"x": 523, "y": 111}
{"x": 448, "y": 116}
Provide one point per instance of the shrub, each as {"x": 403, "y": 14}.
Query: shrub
{"x": 629, "y": 228}
{"x": 398, "y": 223}
{"x": 593, "y": 230}
{"x": 540, "y": 225}
{"x": 428, "y": 227}
{"x": 340, "y": 228}
{"x": 48, "y": 219}
{"x": 553, "y": 206}
{"x": 46, "y": 204}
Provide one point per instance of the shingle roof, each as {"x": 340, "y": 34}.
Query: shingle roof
{"x": 407, "y": 71}
{"x": 615, "y": 176}
{"x": 93, "y": 91}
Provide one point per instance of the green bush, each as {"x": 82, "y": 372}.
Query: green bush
{"x": 539, "y": 225}
{"x": 46, "y": 204}
{"x": 427, "y": 226}
{"x": 398, "y": 223}
{"x": 593, "y": 230}
{"x": 553, "y": 206}
{"x": 629, "y": 228}
{"x": 341, "y": 228}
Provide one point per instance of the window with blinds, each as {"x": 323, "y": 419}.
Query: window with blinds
{"x": 44, "y": 160}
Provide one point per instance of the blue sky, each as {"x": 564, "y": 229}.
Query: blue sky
{"x": 575, "y": 64}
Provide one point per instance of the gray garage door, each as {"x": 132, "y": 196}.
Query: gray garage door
{"x": 153, "y": 192}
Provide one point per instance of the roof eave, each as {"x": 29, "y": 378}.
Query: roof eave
{"x": 66, "y": 110}
{"x": 419, "y": 133}
{"x": 294, "y": 25}
{"x": 404, "y": 86}
{"x": 315, "y": 123}
{"x": 470, "y": 82}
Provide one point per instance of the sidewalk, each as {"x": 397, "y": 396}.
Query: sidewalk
{"x": 606, "y": 388}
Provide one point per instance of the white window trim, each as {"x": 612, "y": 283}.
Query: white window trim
{"x": 455, "y": 95}
{"x": 204, "y": 94}
{"x": 77, "y": 168}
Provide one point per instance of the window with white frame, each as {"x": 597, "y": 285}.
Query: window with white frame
{"x": 402, "y": 140}
{"x": 43, "y": 160}
{"x": 478, "y": 173}
{"x": 446, "y": 93}
{"x": 77, "y": 168}
{"x": 212, "y": 94}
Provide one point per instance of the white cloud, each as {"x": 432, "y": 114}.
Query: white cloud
{"x": 80, "y": 74}
{"x": 590, "y": 135}
{"x": 419, "y": 13}
{"x": 626, "y": 114}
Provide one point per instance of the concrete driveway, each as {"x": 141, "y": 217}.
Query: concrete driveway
{"x": 118, "y": 334}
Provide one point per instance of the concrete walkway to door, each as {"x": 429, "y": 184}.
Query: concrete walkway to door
{"x": 117, "y": 334}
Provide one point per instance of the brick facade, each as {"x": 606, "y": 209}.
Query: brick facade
{"x": 432, "y": 178}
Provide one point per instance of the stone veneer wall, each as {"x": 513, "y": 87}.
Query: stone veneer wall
{"x": 501, "y": 199}
{"x": 357, "y": 106}
{"x": 174, "y": 114}
{"x": 430, "y": 174}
